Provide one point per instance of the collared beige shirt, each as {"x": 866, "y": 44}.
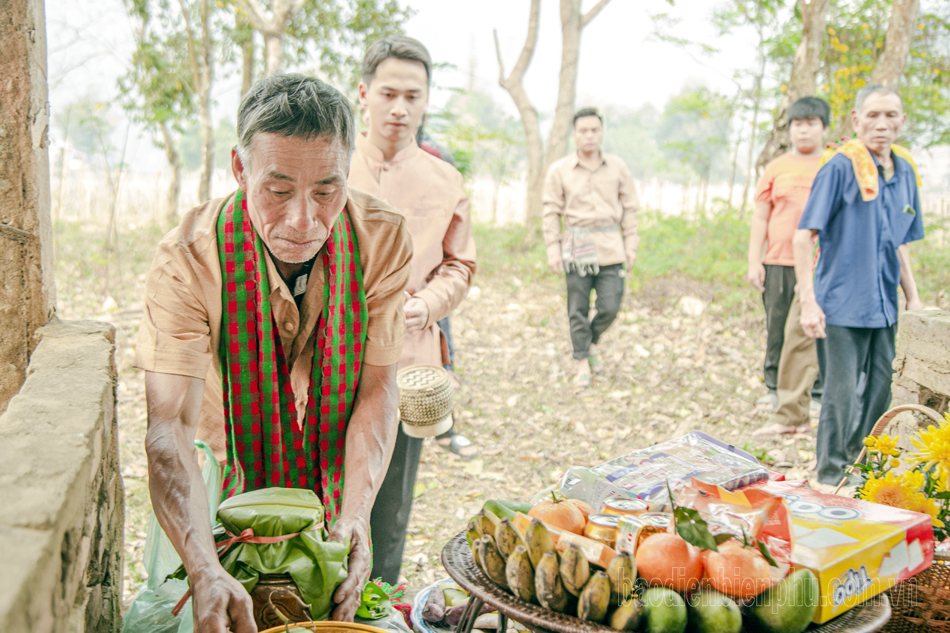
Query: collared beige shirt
{"x": 181, "y": 325}
{"x": 430, "y": 194}
{"x": 600, "y": 198}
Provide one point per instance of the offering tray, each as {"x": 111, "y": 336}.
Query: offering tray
{"x": 457, "y": 559}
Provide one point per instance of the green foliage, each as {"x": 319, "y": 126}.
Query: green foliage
{"x": 87, "y": 126}
{"x": 632, "y": 136}
{"x": 225, "y": 137}
{"x": 693, "y": 132}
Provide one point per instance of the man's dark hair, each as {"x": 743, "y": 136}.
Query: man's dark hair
{"x": 809, "y": 107}
{"x": 294, "y": 105}
{"x": 396, "y": 47}
{"x": 587, "y": 112}
{"x": 873, "y": 89}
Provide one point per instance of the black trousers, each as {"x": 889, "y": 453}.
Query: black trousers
{"x": 777, "y": 298}
{"x": 609, "y": 287}
{"x": 849, "y": 357}
{"x": 390, "y": 517}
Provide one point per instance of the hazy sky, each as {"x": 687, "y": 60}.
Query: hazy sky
{"x": 620, "y": 65}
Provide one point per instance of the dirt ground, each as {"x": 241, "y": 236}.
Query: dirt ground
{"x": 675, "y": 362}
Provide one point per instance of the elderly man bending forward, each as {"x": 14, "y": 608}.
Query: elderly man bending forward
{"x": 291, "y": 290}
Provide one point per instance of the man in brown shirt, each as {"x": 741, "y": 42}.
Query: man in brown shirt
{"x": 429, "y": 192}
{"x": 296, "y": 138}
{"x": 594, "y": 194}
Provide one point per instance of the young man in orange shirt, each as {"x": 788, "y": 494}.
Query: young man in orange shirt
{"x": 779, "y": 201}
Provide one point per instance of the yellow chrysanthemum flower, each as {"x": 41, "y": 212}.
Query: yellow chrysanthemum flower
{"x": 933, "y": 449}
{"x": 895, "y": 463}
{"x": 902, "y": 491}
{"x": 885, "y": 445}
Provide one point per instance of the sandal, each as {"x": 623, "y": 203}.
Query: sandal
{"x": 582, "y": 381}
{"x": 457, "y": 444}
{"x": 595, "y": 363}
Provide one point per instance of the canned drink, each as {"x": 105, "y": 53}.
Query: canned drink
{"x": 625, "y": 506}
{"x": 634, "y": 528}
{"x": 658, "y": 519}
{"x": 603, "y": 528}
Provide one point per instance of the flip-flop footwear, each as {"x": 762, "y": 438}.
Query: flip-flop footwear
{"x": 595, "y": 363}
{"x": 582, "y": 381}
{"x": 457, "y": 444}
{"x": 779, "y": 429}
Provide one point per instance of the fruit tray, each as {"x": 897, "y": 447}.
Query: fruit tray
{"x": 457, "y": 559}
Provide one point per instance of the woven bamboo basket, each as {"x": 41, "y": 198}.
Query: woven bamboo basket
{"x": 425, "y": 400}
{"x": 922, "y": 602}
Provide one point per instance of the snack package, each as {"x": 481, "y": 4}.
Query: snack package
{"x": 595, "y": 552}
{"x": 644, "y": 473}
{"x": 857, "y": 549}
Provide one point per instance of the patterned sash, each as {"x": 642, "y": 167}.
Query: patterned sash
{"x": 266, "y": 444}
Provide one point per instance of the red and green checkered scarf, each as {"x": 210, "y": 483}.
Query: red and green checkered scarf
{"x": 266, "y": 444}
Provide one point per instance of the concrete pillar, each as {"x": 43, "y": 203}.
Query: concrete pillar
{"x": 27, "y": 294}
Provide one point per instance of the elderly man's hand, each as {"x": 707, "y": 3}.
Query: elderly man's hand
{"x": 813, "y": 319}
{"x": 417, "y": 314}
{"x": 914, "y": 304}
{"x": 348, "y": 595}
{"x": 631, "y": 260}
{"x": 221, "y": 603}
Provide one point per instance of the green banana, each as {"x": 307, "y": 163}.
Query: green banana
{"x": 538, "y": 541}
{"x": 506, "y": 509}
{"x": 595, "y": 598}
{"x": 575, "y": 570}
{"x": 626, "y": 617}
{"x": 492, "y": 562}
{"x": 507, "y": 538}
{"x": 622, "y": 572}
{"x": 520, "y": 574}
{"x": 548, "y": 586}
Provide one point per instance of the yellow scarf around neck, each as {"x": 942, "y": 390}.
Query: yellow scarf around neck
{"x": 865, "y": 171}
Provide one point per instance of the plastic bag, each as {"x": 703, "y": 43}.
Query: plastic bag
{"x": 151, "y": 612}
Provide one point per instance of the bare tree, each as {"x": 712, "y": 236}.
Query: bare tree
{"x": 174, "y": 162}
{"x": 272, "y": 25}
{"x": 802, "y": 82}
{"x": 201, "y": 61}
{"x": 573, "y": 21}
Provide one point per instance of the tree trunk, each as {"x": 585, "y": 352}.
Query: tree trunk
{"x": 733, "y": 169}
{"x": 204, "y": 105}
{"x": 529, "y": 116}
{"x": 273, "y": 52}
{"x": 900, "y": 32}
{"x": 247, "y": 57}
{"x": 802, "y": 82}
{"x": 174, "y": 186}
{"x": 27, "y": 296}
{"x": 750, "y": 170}
{"x": 567, "y": 81}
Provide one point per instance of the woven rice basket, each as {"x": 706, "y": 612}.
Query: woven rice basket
{"x": 922, "y": 602}
{"x": 425, "y": 400}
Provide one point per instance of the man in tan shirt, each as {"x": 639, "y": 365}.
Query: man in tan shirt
{"x": 429, "y": 192}
{"x": 295, "y": 140}
{"x": 594, "y": 194}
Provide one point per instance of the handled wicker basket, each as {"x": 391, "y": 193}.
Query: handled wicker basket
{"x": 922, "y": 602}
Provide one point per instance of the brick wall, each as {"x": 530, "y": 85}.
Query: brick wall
{"x": 61, "y": 495}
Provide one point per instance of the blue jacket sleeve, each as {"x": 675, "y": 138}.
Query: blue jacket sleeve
{"x": 825, "y": 196}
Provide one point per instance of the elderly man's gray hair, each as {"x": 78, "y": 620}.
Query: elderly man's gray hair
{"x": 294, "y": 105}
{"x": 873, "y": 89}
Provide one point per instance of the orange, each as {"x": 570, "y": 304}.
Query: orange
{"x": 740, "y": 572}
{"x": 583, "y": 506}
{"x": 666, "y": 559}
{"x": 560, "y": 513}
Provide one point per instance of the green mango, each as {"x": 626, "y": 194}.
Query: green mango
{"x": 709, "y": 611}
{"x": 663, "y": 611}
{"x": 787, "y": 607}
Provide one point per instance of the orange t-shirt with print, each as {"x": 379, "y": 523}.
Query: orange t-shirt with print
{"x": 785, "y": 185}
